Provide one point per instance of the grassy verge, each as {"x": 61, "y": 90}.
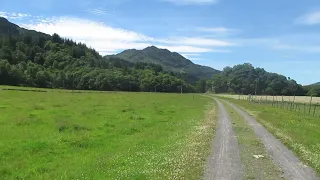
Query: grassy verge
{"x": 249, "y": 145}
{"x": 57, "y": 135}
{"x": 298, "y": 132}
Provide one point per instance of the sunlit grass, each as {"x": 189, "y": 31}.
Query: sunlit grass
{"x": 58, "y": 135}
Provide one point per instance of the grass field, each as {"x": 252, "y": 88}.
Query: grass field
{"x": 299, "y": 99}
{"x": 298, "y": 132}
{"x": 58, "y": 135}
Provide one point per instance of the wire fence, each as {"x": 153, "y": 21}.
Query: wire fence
{"x": 310, "y": 108}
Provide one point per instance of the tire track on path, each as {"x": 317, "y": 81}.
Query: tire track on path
{"x": 291, "y": 166}
{"x": 224, "y": 163}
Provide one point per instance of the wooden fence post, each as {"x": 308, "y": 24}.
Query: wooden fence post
{"x": 314, "y": 110}
{"x": 266, "y": 99}
{"x": 273, "y": 101}
{"x": 310, "y": 105}
{"x": 293, "y": 102}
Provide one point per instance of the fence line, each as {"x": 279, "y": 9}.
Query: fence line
{"x": 310, "y": 108}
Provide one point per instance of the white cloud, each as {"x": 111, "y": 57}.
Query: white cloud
{"x": 188, "y": 55}
{"x": 215, "y": 29}
{"x": 196, "y": 41}
{"x": 192, "y": 2}
{"x": 3, "y": 14}
{"x": 109, "y": 40}
{"x": 97, "y": 35}
{"x": 85, "y": 29}
{"x": 185, "y": 49}
{"x": 13, "y": 15}
{"x": 193, "y": 57}
{"x": 309, "y": 19}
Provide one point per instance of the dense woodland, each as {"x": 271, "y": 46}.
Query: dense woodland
{"x": 245, "y": 79}
{"x": 313, "y": 90}
{"x": 54, "y": 62}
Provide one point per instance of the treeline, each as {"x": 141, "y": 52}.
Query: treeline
{"x": 245, "y": 79}
{"x": 53, "y": 62}
{"x": 313, "y": 90}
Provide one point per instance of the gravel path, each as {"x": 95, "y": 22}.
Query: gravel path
{"x": 291, "y": 166}
{"x": 224, "y": 162}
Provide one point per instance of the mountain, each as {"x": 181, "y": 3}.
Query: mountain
{"x": 8, "y": 28}
{"x": 170, "y": 61}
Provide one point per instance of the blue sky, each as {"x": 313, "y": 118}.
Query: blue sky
{"x": 280, "y": 36}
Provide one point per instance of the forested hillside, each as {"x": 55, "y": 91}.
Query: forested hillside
{"x": 245, "y": 79}
{"x": 170, "y": 61}
{"x": 30, "y": 58}
{"x": 35, "y": 59}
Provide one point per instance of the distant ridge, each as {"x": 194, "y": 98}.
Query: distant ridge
{"x": 171, "y": 61}
{"x": 315, "y": 84}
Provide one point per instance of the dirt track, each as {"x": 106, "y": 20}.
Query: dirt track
{"x": 224, "y": 162}
{"x": 291, "y": 166}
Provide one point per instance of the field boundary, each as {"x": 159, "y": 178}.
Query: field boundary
{"x": 310, "y": 108}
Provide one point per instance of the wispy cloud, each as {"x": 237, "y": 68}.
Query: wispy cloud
{"x": 97, "y": 11}
{"x": 196, "y": 59}
{"x": 185, "y": 49}
{"x": 187, "y": 55}
{"x": 221, "y": 51}
{"x": 312, "y": 18}
{"x": 306, "y": 43}
{"x": 215, "y": 29}
{"x": 197, "y": 41}
{"x": 192, "y": 57}
{"x": 192, "y": 2}
{"x": 13, "y": 15}
{"x": 310, "y": 49}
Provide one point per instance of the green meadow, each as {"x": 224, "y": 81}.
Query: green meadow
{"x": 64, "y": 135}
